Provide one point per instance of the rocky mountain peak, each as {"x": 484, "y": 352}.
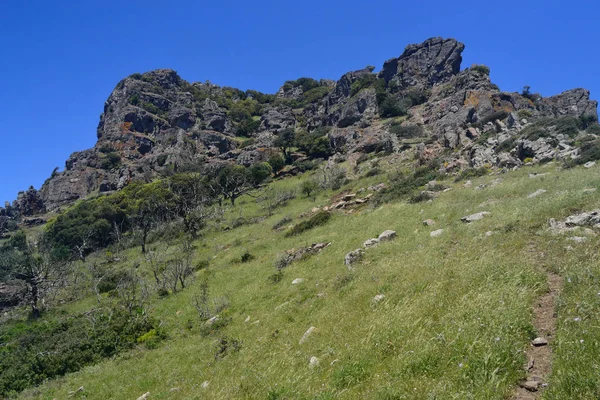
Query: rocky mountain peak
{"x": 426, "y": 64}
{"x": 156, "y": 123}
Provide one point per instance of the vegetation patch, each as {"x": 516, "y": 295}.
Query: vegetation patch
{"x": 320, "y": 218}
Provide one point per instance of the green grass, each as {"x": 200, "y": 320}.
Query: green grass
{"x": 455, "y": 320}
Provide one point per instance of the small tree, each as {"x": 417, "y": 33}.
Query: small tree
{"x": 277, "y": 162}
{"x": 284, "y": 140}
{"x": 309, "y": 187}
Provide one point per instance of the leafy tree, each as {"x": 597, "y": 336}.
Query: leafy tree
{"x": 234, "y": 181}
{"x": 258, "y": 173}
{"x": 284, "y": 140}
{"x": 315, "y": 144}
{"x": 277, "y": 162}
{"x": 309, "y": 187}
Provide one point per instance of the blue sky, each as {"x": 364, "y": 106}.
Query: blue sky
{"x": 61, "y": 59}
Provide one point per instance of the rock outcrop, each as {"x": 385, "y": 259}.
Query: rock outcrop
{"x": 157, "y": 123}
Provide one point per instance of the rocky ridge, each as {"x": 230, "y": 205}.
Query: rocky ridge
{"x": 157, "y": 123}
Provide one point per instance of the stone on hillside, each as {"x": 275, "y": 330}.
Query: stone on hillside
{"x": 591, "y": 218}
{"x": 481, "y": 187}
{"x": 142, "y": 397}
{"x": 387, "y": 235}
{"x": 468, "y": 184}
{"x": 536, "y": 193}
{"x": 377, "y": 188}
{"x": 578, "y": 239}
{"x": 353, "y": 257}
{"x": 247, "y": 319}
{"x": 429, "y": 222}
{"x": 205, "y": 385}
{"x": 436, "y": 233}
{"x": 348, "y": 197}
{"x": 297, "y": 281}
{"x": 371, "y": 243}
{"x": 589, "y": 190}
{"x": 378, "y": 298}
{"x": 530, "y": 385}
{"x": 314, "y": 362}
{"x": 307, "y": 334}
{"x": 214, "y": 319}
{"x": 475, "y": 217}
{"x": 539, "y": 341}
{"x": 589, "y": 164}
{"x": 536, "y": 175}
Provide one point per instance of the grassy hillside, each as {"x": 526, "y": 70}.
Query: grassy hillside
{"x": 455, "y": 321}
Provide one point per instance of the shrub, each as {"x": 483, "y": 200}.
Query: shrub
{"x": 246, "y": 257}
{"x": 281, "y": 223}
{"x": 110, "y": 161}
{"x": 135, "y": 100}
{"x": 524, "y": 114}
{"x": 391, "y": 106}
{"x": 277, "y": 162}
{"x": 403, "y": 185}
{"x": 484, "y": 69}
{"x": 162, "y": 159}
{"x": 406, "y": 132}
{"x": 309, "y": 187}
{"x": 507, "y": 145}
{"x": 362, "y": 82}
{"x": 276, "y": 277}
{"x": 315, "y": 144}
{"x": 66, "y": 345}
{"x": 202, "y": 264}
{"x": 320, "y": 218}
{"x": 373, "y": 172}
{"x": 593, "y": 129}
{"x": 471, "y": 173}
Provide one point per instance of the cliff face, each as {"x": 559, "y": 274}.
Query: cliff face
{"x": 157, "y": 122}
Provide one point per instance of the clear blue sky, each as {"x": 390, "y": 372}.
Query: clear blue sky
{"x": 61, "y": 59}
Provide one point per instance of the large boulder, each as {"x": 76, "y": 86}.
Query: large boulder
{"x": 431, "y": 62}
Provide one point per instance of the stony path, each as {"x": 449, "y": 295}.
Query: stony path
{"x": 539, "y": 365}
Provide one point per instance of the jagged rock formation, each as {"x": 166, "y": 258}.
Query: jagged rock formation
{"x": 156, "y": 122}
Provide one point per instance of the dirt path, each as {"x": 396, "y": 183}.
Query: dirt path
{"x": 539, "y": 358}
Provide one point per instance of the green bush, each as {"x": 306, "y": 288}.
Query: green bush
{"x": 110, "y": 161}
{"x": 484, "y": 69}
{"x": 162, "y": 159}
{"x": 406, "y": 132}
{"x": 403, "y": 185}
{"x": 320, "y": 218}
{"x": 315, "y": 144}
{"x": 362, "y": 82}
{"x": 471, "y": 173}
{"x": 281, "y": 223}
{"x": 36, "y": 351}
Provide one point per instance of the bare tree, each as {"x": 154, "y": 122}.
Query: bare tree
{"x": 43, "y": 273}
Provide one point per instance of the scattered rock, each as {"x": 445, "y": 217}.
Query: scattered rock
{"x": 429, "y": 222}
{"x": 307, "y": 334}
{"x": 205, "y": 384}
{"x": 468, "y": 184}
{"x": 377, "y": 188}
{"x": 578, "y": 239}
{"x": 81, "y": 389}
{"x": 175, "y": 389}
{"x": 297, "y": 281}
{"x": 589, "y": 164}
{"x": 348, "y": 197}
{"x": 489, "y": 233}
{"x": 314, "y": 362}
{"x": 536, "y": 193}
{"x": 378, "y": 298}
{"x": 481, "y": 187}
{"x": 142, "y": 397}
{"x": 530, "y": 385}
{"x": 214, "y": 319}
{"x": 475, "y": 217}
{"x": 539, "y": 341}
{"x": 436, "y": 233}
{"x": 299, "y": 254}
{"x": 536, "y": 175}
{"x": 247, "y": 319}
{"x": 589, "y": 190}
{"x": 387, "y": 235}
{"x": 353, "y": 257}
{"x": 370, "y": 243}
